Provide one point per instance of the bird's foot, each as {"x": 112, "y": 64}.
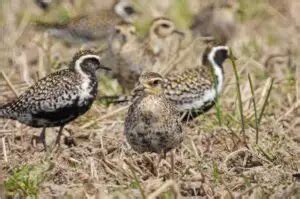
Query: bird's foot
{"x": 70, "y": 141}
{"x": 38, "y": 139}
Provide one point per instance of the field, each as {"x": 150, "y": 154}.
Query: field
{"x": 248, "y": 146}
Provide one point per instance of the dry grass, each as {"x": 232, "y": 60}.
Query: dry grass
{"x": 214, "y": 160}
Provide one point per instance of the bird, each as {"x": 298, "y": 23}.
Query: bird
{"x": 58, "y": 98}
{"x": 92, "y": 27}
{"x": 194, "y": 91}
{"x": 126, "y": 53}
{"x": 43, "y": 4}
{"x": 163, "y": 41}
{"x": 134, "y": 55}
{"x": 217, "y": 20}
{"x": 152, "y": 123}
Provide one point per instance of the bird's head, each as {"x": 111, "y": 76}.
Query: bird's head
{"x": 123, "y": 33}
{"x": 163, "y": 27}
{"x": 87, "y": 62}
{"x": 216, "y": 55}
{"x": 126, "y": 10}
{"x": 150, "y": 83}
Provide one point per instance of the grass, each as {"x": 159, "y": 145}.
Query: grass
{"x": 25, "y": 181}
{"x": 254, "y": 108}
{"x": 239, "y": 96}
{"x": 137, "y": 181}
{"x": 263, "y": 106}
{"x": 265, "y": 102}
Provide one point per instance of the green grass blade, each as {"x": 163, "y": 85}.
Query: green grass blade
{"x": 254, "y": 107}
{"x": 265, "y": 102}
{"x": 238, "y": 89}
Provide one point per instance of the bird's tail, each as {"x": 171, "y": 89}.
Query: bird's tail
{"x": 43, "y": 25}
{"x": 4, "y": 111}
{"x": 115, "y": 99}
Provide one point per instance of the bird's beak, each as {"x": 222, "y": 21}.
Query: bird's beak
{"x": 179, "y": 33}
{"x": 103, "y": 67}
{"x": 139, "y": 88}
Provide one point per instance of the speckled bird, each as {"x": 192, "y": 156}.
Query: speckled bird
{"x": 95, "y": 26}
{"x": 58, "y": 98}
{"x": 152, "y": 123}
{"x": 195, "y": 90}
{"x": 126, "y": 52}
{"x": 43, "y": 4}
{"x": 217, "y": 20}
{"x": 135, "y": 56}
{"x": 163, "y": 41}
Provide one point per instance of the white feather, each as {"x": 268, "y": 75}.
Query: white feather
{"x": 119, "y": 9}
{"x": 217, "y": 69}
{"x": 85, "y": 88}
{"x": 210, "y": 94}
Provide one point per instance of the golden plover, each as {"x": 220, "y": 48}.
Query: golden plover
{"x": 127, "y": 54}
{"x": 164, "y": 39}
{"x": 43, "y": 4}
{"x": 195, "y": 90}
{"x": 217, "y": 20}
{"x": 133, "y": 56}
{"x": 58, "y": 98}
{"x": 96, "y": 26}
{"x": 152, "y": 123}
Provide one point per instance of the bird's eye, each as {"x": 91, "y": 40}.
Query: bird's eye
{"x": 118, "y": 31}
{"x": 164, "y": 25}
{"x": 129, "y": 10}
{"x": 155, "y": 82}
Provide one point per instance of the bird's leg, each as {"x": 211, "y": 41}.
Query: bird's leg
{"x": 161, "y": 156}
{"x": 57, "y": 142}
{"x": 43, "y": 138}
{"x": 172, "y": 164}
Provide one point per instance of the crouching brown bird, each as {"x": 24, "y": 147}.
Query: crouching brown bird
{"x": 58, "y": 98}
{"x": 153, "y": 123}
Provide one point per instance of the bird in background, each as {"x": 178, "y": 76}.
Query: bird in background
{"x": 43, "y": 4}
{"x": 217, "y": 20}
{"x": 126, "y": 54}
{"x": 135, "y": 55}
{"x": 152, "y": 123}
{"x": 92, "y": 27}
{"x": 193, "y": 91}
{"x": 46, "y": 5}
{"x": 58, "y": 98}
{"x": 163, "y": 42}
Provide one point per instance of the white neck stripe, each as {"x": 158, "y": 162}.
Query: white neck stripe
{"x": 217, "y": 69}
{"x": 119, "y": 9}
{"x": 82, "y": 58}
{"x": 85, "y": 88}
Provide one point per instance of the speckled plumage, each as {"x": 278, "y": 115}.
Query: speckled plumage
{"x": 92, "y": 27}
{"x": 195, "y": 90}
{"x": 152, "y": 123}
{"x": 126, "y": 52}
{"x": 217, "y": 20}
{"x": 59, "y": 97}
{"x": 135, "y": 56}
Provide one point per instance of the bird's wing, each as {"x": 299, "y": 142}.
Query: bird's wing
{"x": 53, "y": 92}
{"x": 187, "y": 86}
{"x": 93, "y": 26}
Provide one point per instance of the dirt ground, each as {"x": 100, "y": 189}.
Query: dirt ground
{"x": 221, "y": 157}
